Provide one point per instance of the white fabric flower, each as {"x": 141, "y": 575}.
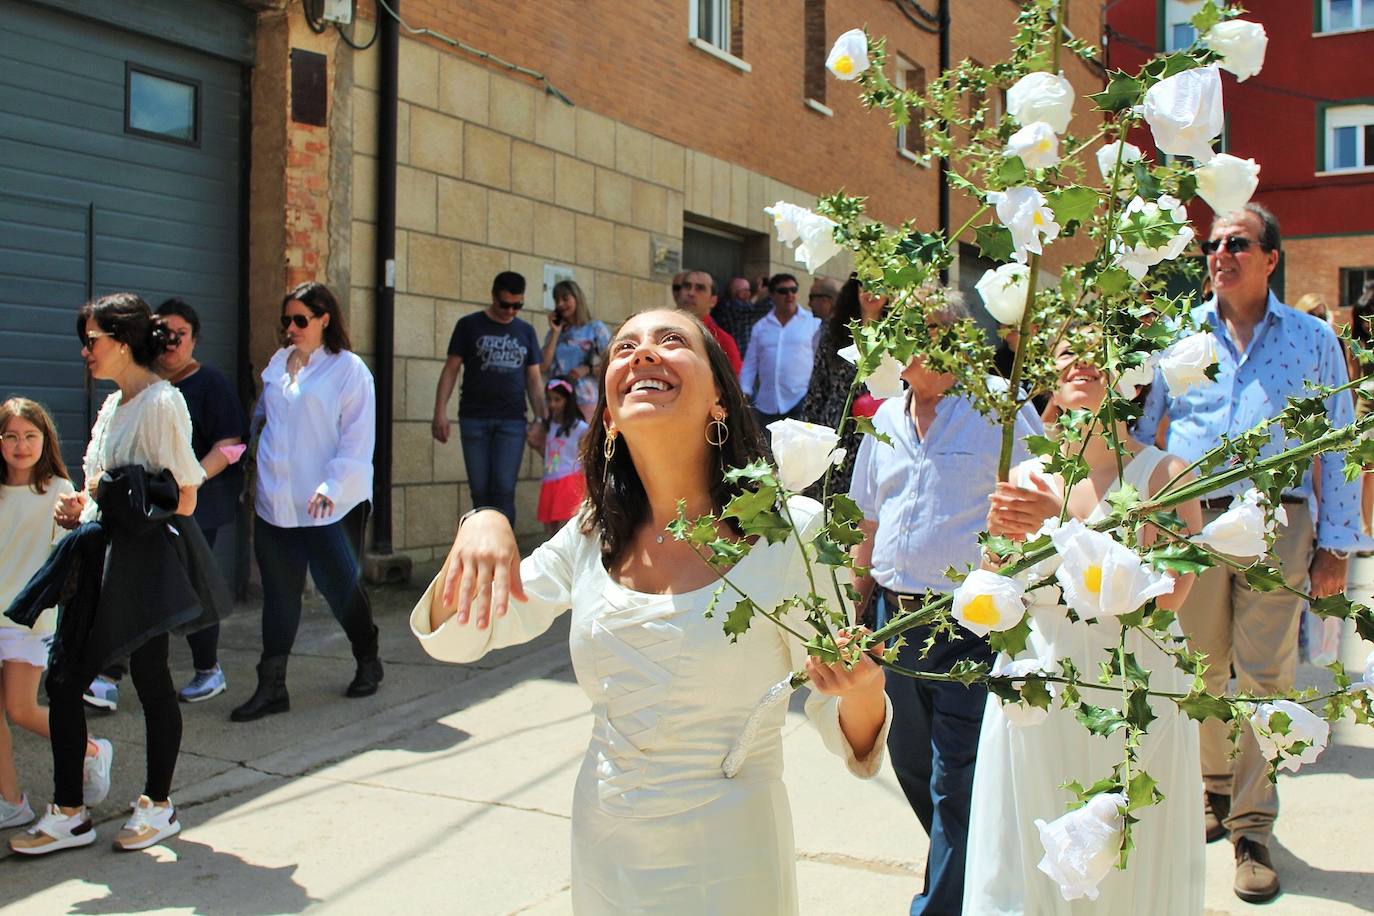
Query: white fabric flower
{"x": 849, "y": 55}
{"x": 1367, "y": 682}
{"x": 1184, "y": 112}
{"x": 803, "y": 451}
{"x": 1003, "y": 290}
{"x": 1299, "y": 740}
{"x": 1044, "y": 97}
{"x": 1241, "y": 530}
{"x": 1019, "y": 712}
{"x": 812, "y": 234}
{"x": 1138, "y": 259}
{"x": 1133, "y": 378}
{"x": 1082, "y": 846}
{"x": 883, "y": 382}
{"x": 985, "y": 601}
{"x": 1023, "y": 211}
{"x": 1037, "y": 144}
{"x": 1185, "y": 364}
{"x": 1227, "y": 182}
{"x": 1241, "y": 45}
{"x": 1100, "y": 577}
{"x": 1107, "y": 155}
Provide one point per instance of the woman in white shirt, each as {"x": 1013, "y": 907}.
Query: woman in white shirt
{"x": 656, "y": 825}
{"x": 318, "y": 420}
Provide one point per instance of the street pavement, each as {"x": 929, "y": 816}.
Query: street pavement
{"x": 450, "y": 792}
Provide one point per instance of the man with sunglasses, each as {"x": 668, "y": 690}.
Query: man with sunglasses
{"x": 1267, "y": 353}
{"x": 782, "y": 349}
{"x": 499, "y": 357}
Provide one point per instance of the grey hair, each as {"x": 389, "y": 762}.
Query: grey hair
{"x": 1270, "y": 238}
{"x": 952, "y": 308}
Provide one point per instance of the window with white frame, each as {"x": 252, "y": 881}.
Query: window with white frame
{"x": 910, "y": 140}
{"x": 1178, "y": 30}
{"x": 1344, "y": 15}
{"x": 711, "y": 23}
{"x": 1349, "y": 138}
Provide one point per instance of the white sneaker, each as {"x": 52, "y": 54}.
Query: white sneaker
{"x": 102, "y": 693}
{"x": 95, "y": 778}
{"x": 55, "y": 831}
{"x": 150, "y": 824}
{"x": 16, "y": 815}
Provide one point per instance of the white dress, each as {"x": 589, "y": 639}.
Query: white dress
{"x": 656, "y": 827}
{"x": 1020, "y": 770}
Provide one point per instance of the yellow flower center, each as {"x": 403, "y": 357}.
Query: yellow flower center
{"x": 1092, "y": 579}
{"x": 844, "y": 64}
{"x": 1038, "y": 219}
{"x": 1043, "y": 146}
{"x": 982, "y": 611}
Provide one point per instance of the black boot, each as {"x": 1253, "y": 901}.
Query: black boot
{"x": 369, "y": 674}
{"x": 271, "y": 695}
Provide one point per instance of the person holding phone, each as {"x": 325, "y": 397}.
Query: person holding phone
{"x": 575, "y": 344}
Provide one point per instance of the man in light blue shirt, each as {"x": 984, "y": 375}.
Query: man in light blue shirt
{"x": 1267, "y": 353}
{"x": 925, "y": 501}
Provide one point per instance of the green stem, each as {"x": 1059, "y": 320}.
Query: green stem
{"x": 1018, "y": 364}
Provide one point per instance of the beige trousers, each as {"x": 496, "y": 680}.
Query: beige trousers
{"x": 1256, "y": 633}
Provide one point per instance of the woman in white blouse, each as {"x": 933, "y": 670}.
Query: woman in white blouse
{"x": 656, "y": 825}
{"x": 317, "y": 416}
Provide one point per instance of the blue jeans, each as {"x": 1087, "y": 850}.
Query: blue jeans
{"x": 492, "y": 451}
{"x": 933, "y": 743}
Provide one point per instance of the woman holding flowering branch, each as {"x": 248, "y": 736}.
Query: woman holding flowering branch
{"x": 656, "y": 826}
{"x": 1028, "y": 751}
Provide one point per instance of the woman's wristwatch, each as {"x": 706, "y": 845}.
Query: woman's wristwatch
{"x": 471, "y": 512}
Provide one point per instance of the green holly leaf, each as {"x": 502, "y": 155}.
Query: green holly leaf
{"x": 758, "y": 472}
{"x": 1122, "y": 92}
{"x": 1100, "y": 720}
{"x": 968, "y": 672}
{"x": 1011, "y": 172}
{"x": 1035, "y": 692}
{"x": 994, "y": 241}
{"x": 738, "y": 620}
{"x": 1147, "y": 184}
{"x": 1138, "y": 711}
{"x": 1042, "y": 446}
{"x": 864, "y": 426}
{"x": 1180, "y": 557}
{"x": 747, "y": 505}
{"x": 1206, "y": 17}
{"x": 1011, "y": 641}
{"x": 1200, "y": 705}
{"x": 1187, "y": 187}
{"x": 1073, "y": 204}
{"x": 1264, "y": 578}
{"x": 1142, "y": 792}
{"x": 1112, "y": 280}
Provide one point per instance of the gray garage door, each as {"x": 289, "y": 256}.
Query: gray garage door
{"x": 119, "y": 170}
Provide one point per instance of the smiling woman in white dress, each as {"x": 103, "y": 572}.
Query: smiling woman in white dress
{"x": 656, "y": 826}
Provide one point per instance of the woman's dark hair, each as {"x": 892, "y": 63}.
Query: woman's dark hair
{"x": 846, "y": 310}
{"x": 128, "y": 320}
{"x": 182, "y": 309}
{"x": 320, "y": 301}
{"x": 616, "y": 501}
{"x": 564, "y": 424}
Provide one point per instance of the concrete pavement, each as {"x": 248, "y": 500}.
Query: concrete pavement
{"x": 450, "y": 791}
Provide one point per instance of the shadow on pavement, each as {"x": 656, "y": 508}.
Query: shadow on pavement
{"x": 1303, "y": 878}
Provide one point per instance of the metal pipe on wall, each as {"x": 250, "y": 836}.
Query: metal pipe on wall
{"x": 943, "y": 16}
{"x": 389, "y": 48}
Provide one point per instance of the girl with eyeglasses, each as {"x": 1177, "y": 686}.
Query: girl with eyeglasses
{"x": 317, "y": 416}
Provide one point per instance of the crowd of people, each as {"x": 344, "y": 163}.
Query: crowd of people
{"x": 632, "y": 424}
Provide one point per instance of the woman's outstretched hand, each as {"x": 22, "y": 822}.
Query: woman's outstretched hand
{"x": 863, "y": 706}
{"x": 481, "y": 573}
{"x": 1017, "y": 512}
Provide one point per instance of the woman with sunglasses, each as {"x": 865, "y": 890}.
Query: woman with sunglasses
{"x": 317, "y": 417}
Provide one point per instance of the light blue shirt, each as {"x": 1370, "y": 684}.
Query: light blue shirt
{"x": 1287, "y": 350}
{"x": 930, "y": 496}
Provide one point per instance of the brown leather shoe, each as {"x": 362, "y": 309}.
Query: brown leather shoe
{"x": 1256, "y": 880}
{"x": 1215, "y": 808}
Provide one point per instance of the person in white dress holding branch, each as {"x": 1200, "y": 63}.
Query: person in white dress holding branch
{"x": 656, "y": 826}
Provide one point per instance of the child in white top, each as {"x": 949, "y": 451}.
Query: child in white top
{"x": 34, "y": 479}
{"x": 561, "y": 494}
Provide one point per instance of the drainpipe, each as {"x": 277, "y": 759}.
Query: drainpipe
{"x": 943, "y": 26}
{"x": 385, "y": 269}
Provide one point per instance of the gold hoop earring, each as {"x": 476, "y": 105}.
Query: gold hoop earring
{"x": 608, "y": 445}
{"x": 717, "y": 433}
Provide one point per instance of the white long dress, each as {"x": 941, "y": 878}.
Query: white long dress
{"x": 1020, "y": 770}
{"x": 656, "y": 827}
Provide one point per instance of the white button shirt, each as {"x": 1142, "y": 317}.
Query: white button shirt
{"x": 777, "y": 365}
{"x": 319, "y": 436}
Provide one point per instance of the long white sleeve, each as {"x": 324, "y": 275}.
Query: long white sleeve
{"x": 348, "y": 475}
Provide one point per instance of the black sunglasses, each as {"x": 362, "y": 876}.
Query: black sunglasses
{"x": 786, "y": 290}
{"x": 1235, "y": 244}
{"x": 299, "y": 321}
{"x": 513, "y": 306}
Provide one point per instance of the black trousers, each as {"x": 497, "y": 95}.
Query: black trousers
{"x": 161, "y": 723}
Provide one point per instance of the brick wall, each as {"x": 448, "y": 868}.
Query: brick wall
{"x": 1313, "y": 265}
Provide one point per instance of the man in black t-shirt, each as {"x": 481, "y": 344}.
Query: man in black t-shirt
{"x": 498, "y": 355}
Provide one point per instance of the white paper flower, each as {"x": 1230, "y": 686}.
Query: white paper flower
{"x": 1037, "y": 144}
{"x": 849, "y": 55}
{"x": 1107, "y": 155}
{"x": 803, "y": 451}
{"x": 1133, "y": 378}
{"x": 1241, "y": 530}
{"x": 1003, "y": 290}
{"x": 1023, "y": 211}
{"x": 812, "y": 234}
{"x": 1019, "y": 712}
{"x": 1185, "y": 364}
{"x": 985, "y": 601}
{"x": 883, "y": 382}
{"x": 1100, "y": 577}
{"x": 1227, "y": 182}
{"x": 1044, "y": 97}
{"x": 1367, "y": 682}
{"x": 1289, "y": 733}
{"x": 1082, "y": 846}
{"x": 1138, "y": 259}
{"x": 1184, "y": 112}
{"x": 1241, "y": 45}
